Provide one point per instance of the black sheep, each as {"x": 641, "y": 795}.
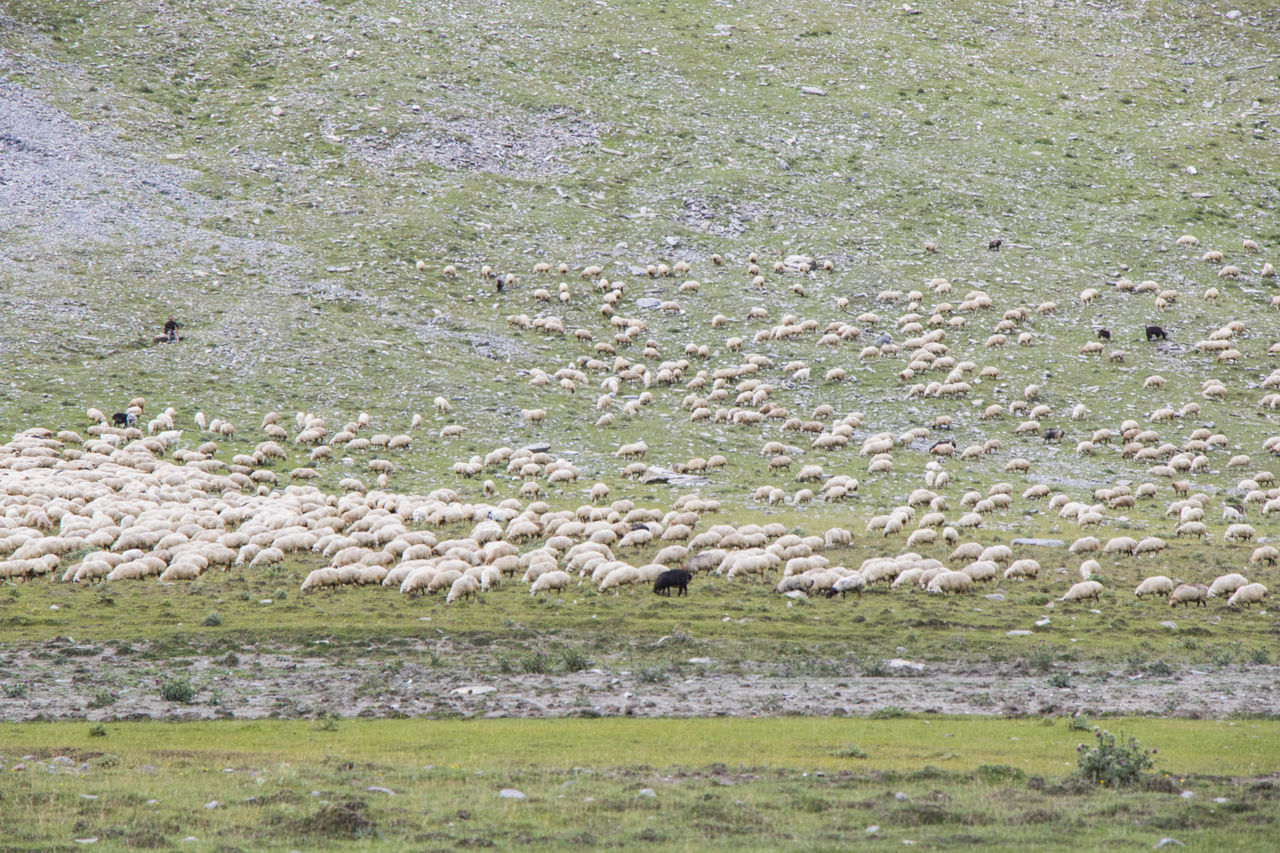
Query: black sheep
{"x": 994, "y": 243}
{"x": 1053, "y": 434}
{"x": 1155, "y": 332}
{"x": 672, "y": 579}
{"x": 122, "y": 419}
{"x": 1104, "y": 335}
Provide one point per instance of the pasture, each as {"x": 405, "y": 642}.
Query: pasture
{"x": 805, "y": 297}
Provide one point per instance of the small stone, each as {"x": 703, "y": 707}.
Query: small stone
{"x": 1172, "y": 626}
{"x": 1233, "y": 14}
{"x": 377, "y": 789}
{"x": 1188, "y": 795}
{"x": 994, "y": 596}
{"x": 212, "y": 804}
{"x": 1019, "y": 633}
{"x": 898, "y": 665}
{"x": 900, "y": 797}
{"x": 92, "y": 839}
{"x": 812, "y": 90}
{"x": 1164, "y": 842}
{"x": 473, "y": 690}
{"x": 873, "y": 829}
{"x": 647, "y": 792}
{"x": 511, "y": 794}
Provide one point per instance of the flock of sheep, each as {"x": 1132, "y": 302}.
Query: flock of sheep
{"x": 158, "y": 497}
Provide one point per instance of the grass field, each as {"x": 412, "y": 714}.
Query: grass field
{"x": 316, "y": 192}
{"x": 663, "y": 784}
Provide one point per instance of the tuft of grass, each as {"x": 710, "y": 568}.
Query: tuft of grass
{"x": 574, "y": 659}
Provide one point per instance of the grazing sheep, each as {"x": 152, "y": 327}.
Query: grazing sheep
{"x": 1187, "y": 593}
{"x": 1156, "y": 333}
{"x": 1226, "y": 583}
{"x": 1250, "y": 593}
{"x": 1239, "y": 532}
{"x": 948, "y": 581}
{"x": 552, "y": 580}
{"x": 1082, "y": 591}
{"x": 1154, "y": 585}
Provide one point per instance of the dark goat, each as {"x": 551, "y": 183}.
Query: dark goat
{"x": 994, "y": 243}
{"x": 1155, "y": 332}
{"x": 1104, "y": 335}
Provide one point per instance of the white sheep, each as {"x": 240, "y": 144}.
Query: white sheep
{"x": 1082, "y": 591}
{"x": 1250, "y": 593}
{"x": 1226, "y": 583}
{"x": 1154, "y": 585}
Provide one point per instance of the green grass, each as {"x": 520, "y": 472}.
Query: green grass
{"x": 272, "y": 173}
{"x": 715, "y": 783}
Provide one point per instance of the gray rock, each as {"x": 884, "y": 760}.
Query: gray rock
{"x": 511, "y": 794}
{"x": 1044, "y": 543}
{"x": 662, "y": 475}
{"x": 648, "y": 303}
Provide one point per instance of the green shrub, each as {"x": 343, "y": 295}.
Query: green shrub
{"x": 213, "y": 620}
{"x": 574, "y": 659}
{"x": 174, "y": 689}
{"x": 1116, "y": 765}
{"x": 102, "y": 699}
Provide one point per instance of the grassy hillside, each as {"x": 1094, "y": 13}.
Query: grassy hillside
{"x": 292, "y": 181}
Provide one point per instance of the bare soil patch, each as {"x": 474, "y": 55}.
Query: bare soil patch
{"x": 294, "y": 683}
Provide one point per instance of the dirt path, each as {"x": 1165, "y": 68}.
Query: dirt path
{"x": 97, "y": 684}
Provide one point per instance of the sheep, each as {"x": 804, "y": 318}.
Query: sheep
{"x": 1265, "y": 555}
{"x": 463, "y": 588}
{"x": 1154, "y": 585}
{"x": 1024, "y": 568}
{"x": 948, "y": 581}
{"x": 1238, "y": 532}
{"x": 1082, "y": 591}
{"x": 1250, "y": 593}
{"x": 1186, "y": 593}
{"x": 552, "y": 580}
{"x": 1226, "y": 583}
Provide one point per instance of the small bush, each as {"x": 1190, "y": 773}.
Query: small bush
{"x": 1116, "y": 765}
{"x": 874, "y": 668}
{"x": 574, "y": 659}
{"x": 1260, "y": 656}
{"x": 651, "y": 675}
{"x": 1059, "y": 679}
{"x": 534, "y": 663}
{"x": 102, "y": 699}
{"x": 1040, "y": 658}
{"x": 888, "y": 712}
{"x": 850, "y": 750}
{"x": 97, "y": 730}
{"x": 1159, "y": 669}
{"x": 213, "y": 620}
{"x": 1078, "y": 724}
{"x": 174, "y": 689}
{"x": 15, "y": 690}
